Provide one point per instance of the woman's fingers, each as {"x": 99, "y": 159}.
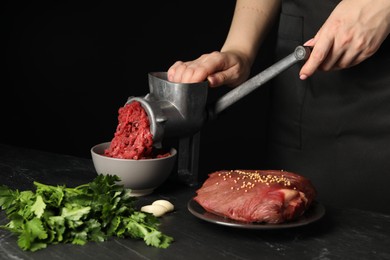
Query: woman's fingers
{"x": 352, "y": 33}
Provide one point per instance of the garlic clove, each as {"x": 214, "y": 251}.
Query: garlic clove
{"x": 156, "y": 210}
{"x": 168, "y": 205}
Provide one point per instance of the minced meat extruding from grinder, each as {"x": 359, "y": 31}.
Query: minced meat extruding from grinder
{"x": 132, "y": 139}
{"x": 267, "y": 196}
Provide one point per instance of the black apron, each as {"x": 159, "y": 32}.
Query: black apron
{"x": 334, "y": 127}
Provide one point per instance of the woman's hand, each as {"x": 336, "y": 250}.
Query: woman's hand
{"x": 219, "y": 68}
{"x": 231, "y": 66}
{"x": 353, "y": 32}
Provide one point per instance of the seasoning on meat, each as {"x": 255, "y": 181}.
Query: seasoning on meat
{"x": 132, "y": 139}
{"x": 266, "y": 196}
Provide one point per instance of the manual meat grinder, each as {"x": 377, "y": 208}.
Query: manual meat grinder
{"x": 178, "y": 110}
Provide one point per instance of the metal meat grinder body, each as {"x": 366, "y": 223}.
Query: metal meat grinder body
{"x": 178, "y": 110}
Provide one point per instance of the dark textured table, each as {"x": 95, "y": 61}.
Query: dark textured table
{"x": 340, "y": 234}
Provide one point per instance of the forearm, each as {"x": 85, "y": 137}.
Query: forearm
{"x": 251, "y": 22}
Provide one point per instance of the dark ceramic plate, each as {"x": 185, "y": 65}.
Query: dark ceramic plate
{"x": 314, "y": 213}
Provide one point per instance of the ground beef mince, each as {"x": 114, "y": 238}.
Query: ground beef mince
{"x": 132, "y": 139}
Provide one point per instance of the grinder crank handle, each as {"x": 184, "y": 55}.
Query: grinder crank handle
{"x": 300, "y": 53}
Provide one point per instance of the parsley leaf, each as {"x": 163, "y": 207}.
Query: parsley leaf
{"x": 90, "y": 212}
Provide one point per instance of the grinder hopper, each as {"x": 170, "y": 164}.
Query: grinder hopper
{"x": 178, "y": 110}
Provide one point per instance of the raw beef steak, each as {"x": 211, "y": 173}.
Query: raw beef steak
{"x": 267, "y": 196}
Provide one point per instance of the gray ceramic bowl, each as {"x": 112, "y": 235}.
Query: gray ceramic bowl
{"x": 141, "y": 176}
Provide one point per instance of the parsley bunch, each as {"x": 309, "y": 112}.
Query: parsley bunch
{"x": 90, "y": 212}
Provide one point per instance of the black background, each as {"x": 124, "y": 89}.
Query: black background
{"x": 68, "y": 66}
